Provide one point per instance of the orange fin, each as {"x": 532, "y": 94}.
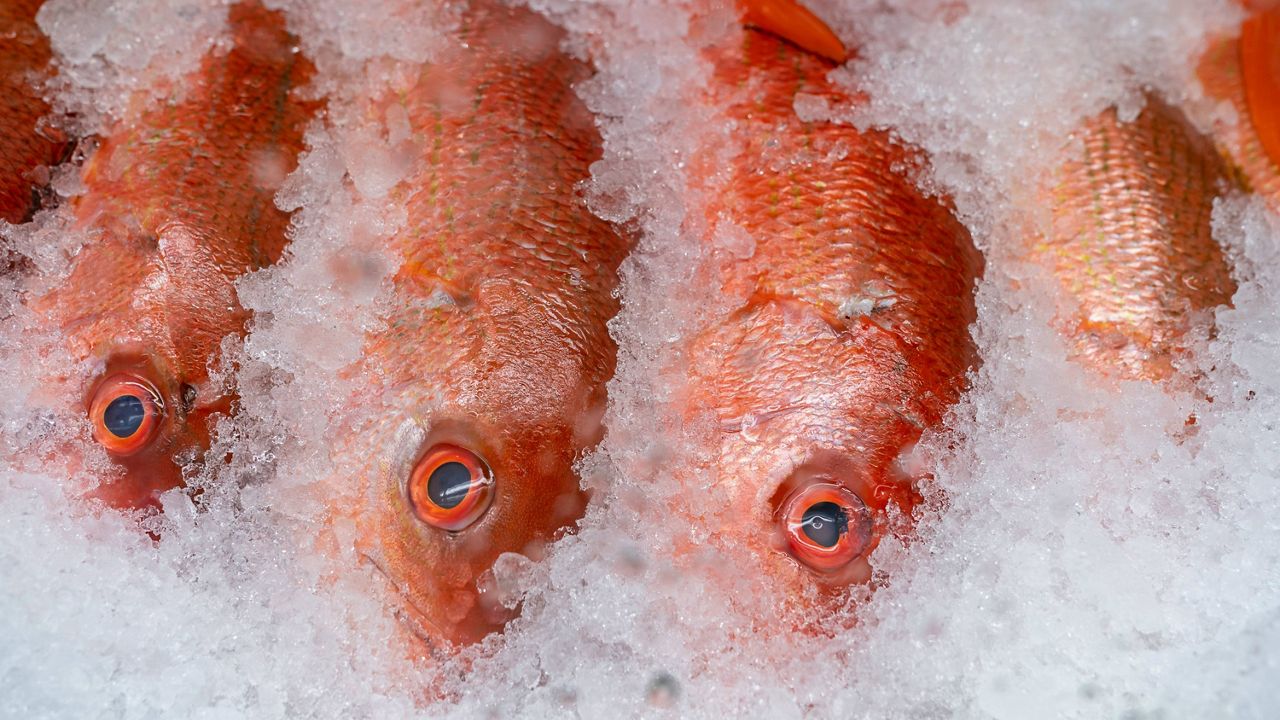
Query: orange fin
{"x": 1260, "y": 66}
{"x": 792, "y": 22}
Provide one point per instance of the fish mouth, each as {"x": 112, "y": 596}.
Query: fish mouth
{"x": 409, "y": 615}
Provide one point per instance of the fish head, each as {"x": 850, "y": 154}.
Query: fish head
{"x": 815, "y": 426}
{"x": 499, "y": 392}
{"x": 142, "y": 314}
{"x": 148, "y": 422}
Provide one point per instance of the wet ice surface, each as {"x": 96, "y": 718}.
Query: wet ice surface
{"x": 1093, "y": 558}
{"x": 106, "y": 51}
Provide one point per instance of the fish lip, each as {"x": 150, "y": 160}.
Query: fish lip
{"x": 414, "y": 625}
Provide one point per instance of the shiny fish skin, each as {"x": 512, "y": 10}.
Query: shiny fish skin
{"x": 1260, "y": 67}
{"x": 497, "y": 341}
{"x": 179, "y": 204}
{"x": 849, "y": 332}
{"x": 25, "y": 146}
{"x": 1131, "y": 243}
{"x": 1220, "y": 73}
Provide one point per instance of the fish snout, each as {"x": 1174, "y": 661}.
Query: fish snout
{"x": 474, "y": 491}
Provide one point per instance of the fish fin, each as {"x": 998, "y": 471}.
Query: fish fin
{"x": 793, "y": 22}
{"x": 1260, "y": 66}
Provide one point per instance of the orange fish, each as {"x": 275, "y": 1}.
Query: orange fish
{"x": 1260, "y": 62}
{"x": 1131, "y": 243}
{"x": 847, "y": 335}
{"x": 494, "y": 361}
{"x": 1245, "y": 72}
{"x": 178, "y": 205}
{"x": 25, "y": 147}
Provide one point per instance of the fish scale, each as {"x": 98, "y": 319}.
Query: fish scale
{"x": 512, "y": 366}
{"x": 178, "y": 205}
{"x": 208, "y": 174}
{"x": 25, "y": 146}
{"x": 1220, "y": 71}
{"x": 1131, "y": 241}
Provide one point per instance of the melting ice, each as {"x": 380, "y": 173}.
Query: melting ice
{"x": 1092, "y": 557}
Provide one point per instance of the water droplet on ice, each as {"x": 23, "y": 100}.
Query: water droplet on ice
{"x": 663, "y": 690}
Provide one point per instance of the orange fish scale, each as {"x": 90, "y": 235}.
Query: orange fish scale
{"x": 1131, "y": 240}
{"x": 24, "y": 146}
{"x": 1220, "y": 73}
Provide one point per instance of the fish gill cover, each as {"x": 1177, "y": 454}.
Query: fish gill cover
{"x": 1083, "y": 552}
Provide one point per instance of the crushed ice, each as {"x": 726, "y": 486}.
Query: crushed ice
{"x": 1093, "y": 558}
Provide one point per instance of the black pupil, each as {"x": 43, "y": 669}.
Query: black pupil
{"x": 124, "y": 416}
{"x": 824, "y": 523}
{"x": 449, "y": 484}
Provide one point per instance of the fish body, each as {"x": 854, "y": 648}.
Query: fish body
{"x": 1131, "y": 243}
{"x": 1227, "y": 72}
{"x": 495, "y": 356}
{"x": 178, "y": 204}
{"x": 1260, "y": 61}
{"x": 847, "y": 332}
{"x": 25, "y": 146}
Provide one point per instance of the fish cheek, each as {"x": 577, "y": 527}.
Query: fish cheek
{"x": 423, "y": 565}
{"x": 441, "y": 572}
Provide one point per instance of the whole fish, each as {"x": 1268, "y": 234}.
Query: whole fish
{"x": 26, "y": 148}
{"x": 848, "y": 331}
{"x": 1131, "y": 244}
{"x": 494, "y": 360}
{"x": 1244, "y": 71}
{"x": 178, "y": 205}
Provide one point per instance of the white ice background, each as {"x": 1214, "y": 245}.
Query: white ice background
{"x": 1092, "y": 559}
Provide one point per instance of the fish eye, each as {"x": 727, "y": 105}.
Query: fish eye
{"x": 826, "y": 525}
{"x": 126, "y": 411}
{"x": 450, "y": 487}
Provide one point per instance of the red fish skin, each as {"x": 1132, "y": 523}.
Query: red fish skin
{"x": 1131, "y": 242}
{"x": 498, "y": 341}
{"x": 25, "y": 146}
{"x": 804, "y": 384}
{"x": 179, "y": 203}
{"x": 1260, "y": 66}
{"x": 1220, "y": 72}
